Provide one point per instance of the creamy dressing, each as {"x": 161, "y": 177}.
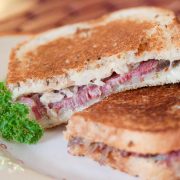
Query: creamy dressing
{"x": 97, "y": 74}
{"x": 174, "y": 73}
{"x": 170, "y": 75}
{"x": 50, "y": 97}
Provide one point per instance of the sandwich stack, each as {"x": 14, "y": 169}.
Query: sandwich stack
{"x": 61, "y": 72}
{"x": 137, "y": 132}
{"x": 65, "y": 70}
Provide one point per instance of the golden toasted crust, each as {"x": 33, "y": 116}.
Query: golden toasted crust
{"x": 102, "y": 38}
{"x": 143, "y": 168}
{"x": 63, "y": 54}
{"x": 141, "y": 121}
{"x": 148, "y": 109}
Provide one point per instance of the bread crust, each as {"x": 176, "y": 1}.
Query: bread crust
{"x": 58, "y": 58}
{"x": 141, "y": 121}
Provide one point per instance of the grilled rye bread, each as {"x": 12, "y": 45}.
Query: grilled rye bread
{"x": 70, "y": 68}
{"x": 131, "y": 131}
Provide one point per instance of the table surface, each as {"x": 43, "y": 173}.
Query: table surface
{"x": 40, "y": 15}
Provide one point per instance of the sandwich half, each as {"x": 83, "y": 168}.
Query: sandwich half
{"x": 137, "y": 132}
{"x": 67, "y": 69}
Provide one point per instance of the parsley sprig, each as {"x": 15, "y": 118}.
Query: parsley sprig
{"x": 15, "y": 124}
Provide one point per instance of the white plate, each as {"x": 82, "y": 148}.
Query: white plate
{"x": 49, "y": 157}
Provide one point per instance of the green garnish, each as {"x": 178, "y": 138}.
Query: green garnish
{"x": 15, "y": 124}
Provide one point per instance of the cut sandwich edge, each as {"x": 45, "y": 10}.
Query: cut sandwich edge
{"x": 57, "y": 120}
{"x": 132, "y": 165}
{"x": 79, "y": 78}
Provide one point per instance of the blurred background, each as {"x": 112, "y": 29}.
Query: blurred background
{"x": 32, "y": 16}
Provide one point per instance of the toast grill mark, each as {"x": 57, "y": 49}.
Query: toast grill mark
{"x": 77, "y": 97}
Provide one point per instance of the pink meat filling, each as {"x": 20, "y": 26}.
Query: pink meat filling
{"x": 106, "y": 150}
{"x": 35, "y": 104}
{"x": 88, "y": 93}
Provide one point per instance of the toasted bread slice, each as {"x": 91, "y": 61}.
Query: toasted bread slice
{"x": 68, "y": 69}
{"x": 145, "y": 121}
{"x": 136, "y": 132}
{"x": 74, "y": 55}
